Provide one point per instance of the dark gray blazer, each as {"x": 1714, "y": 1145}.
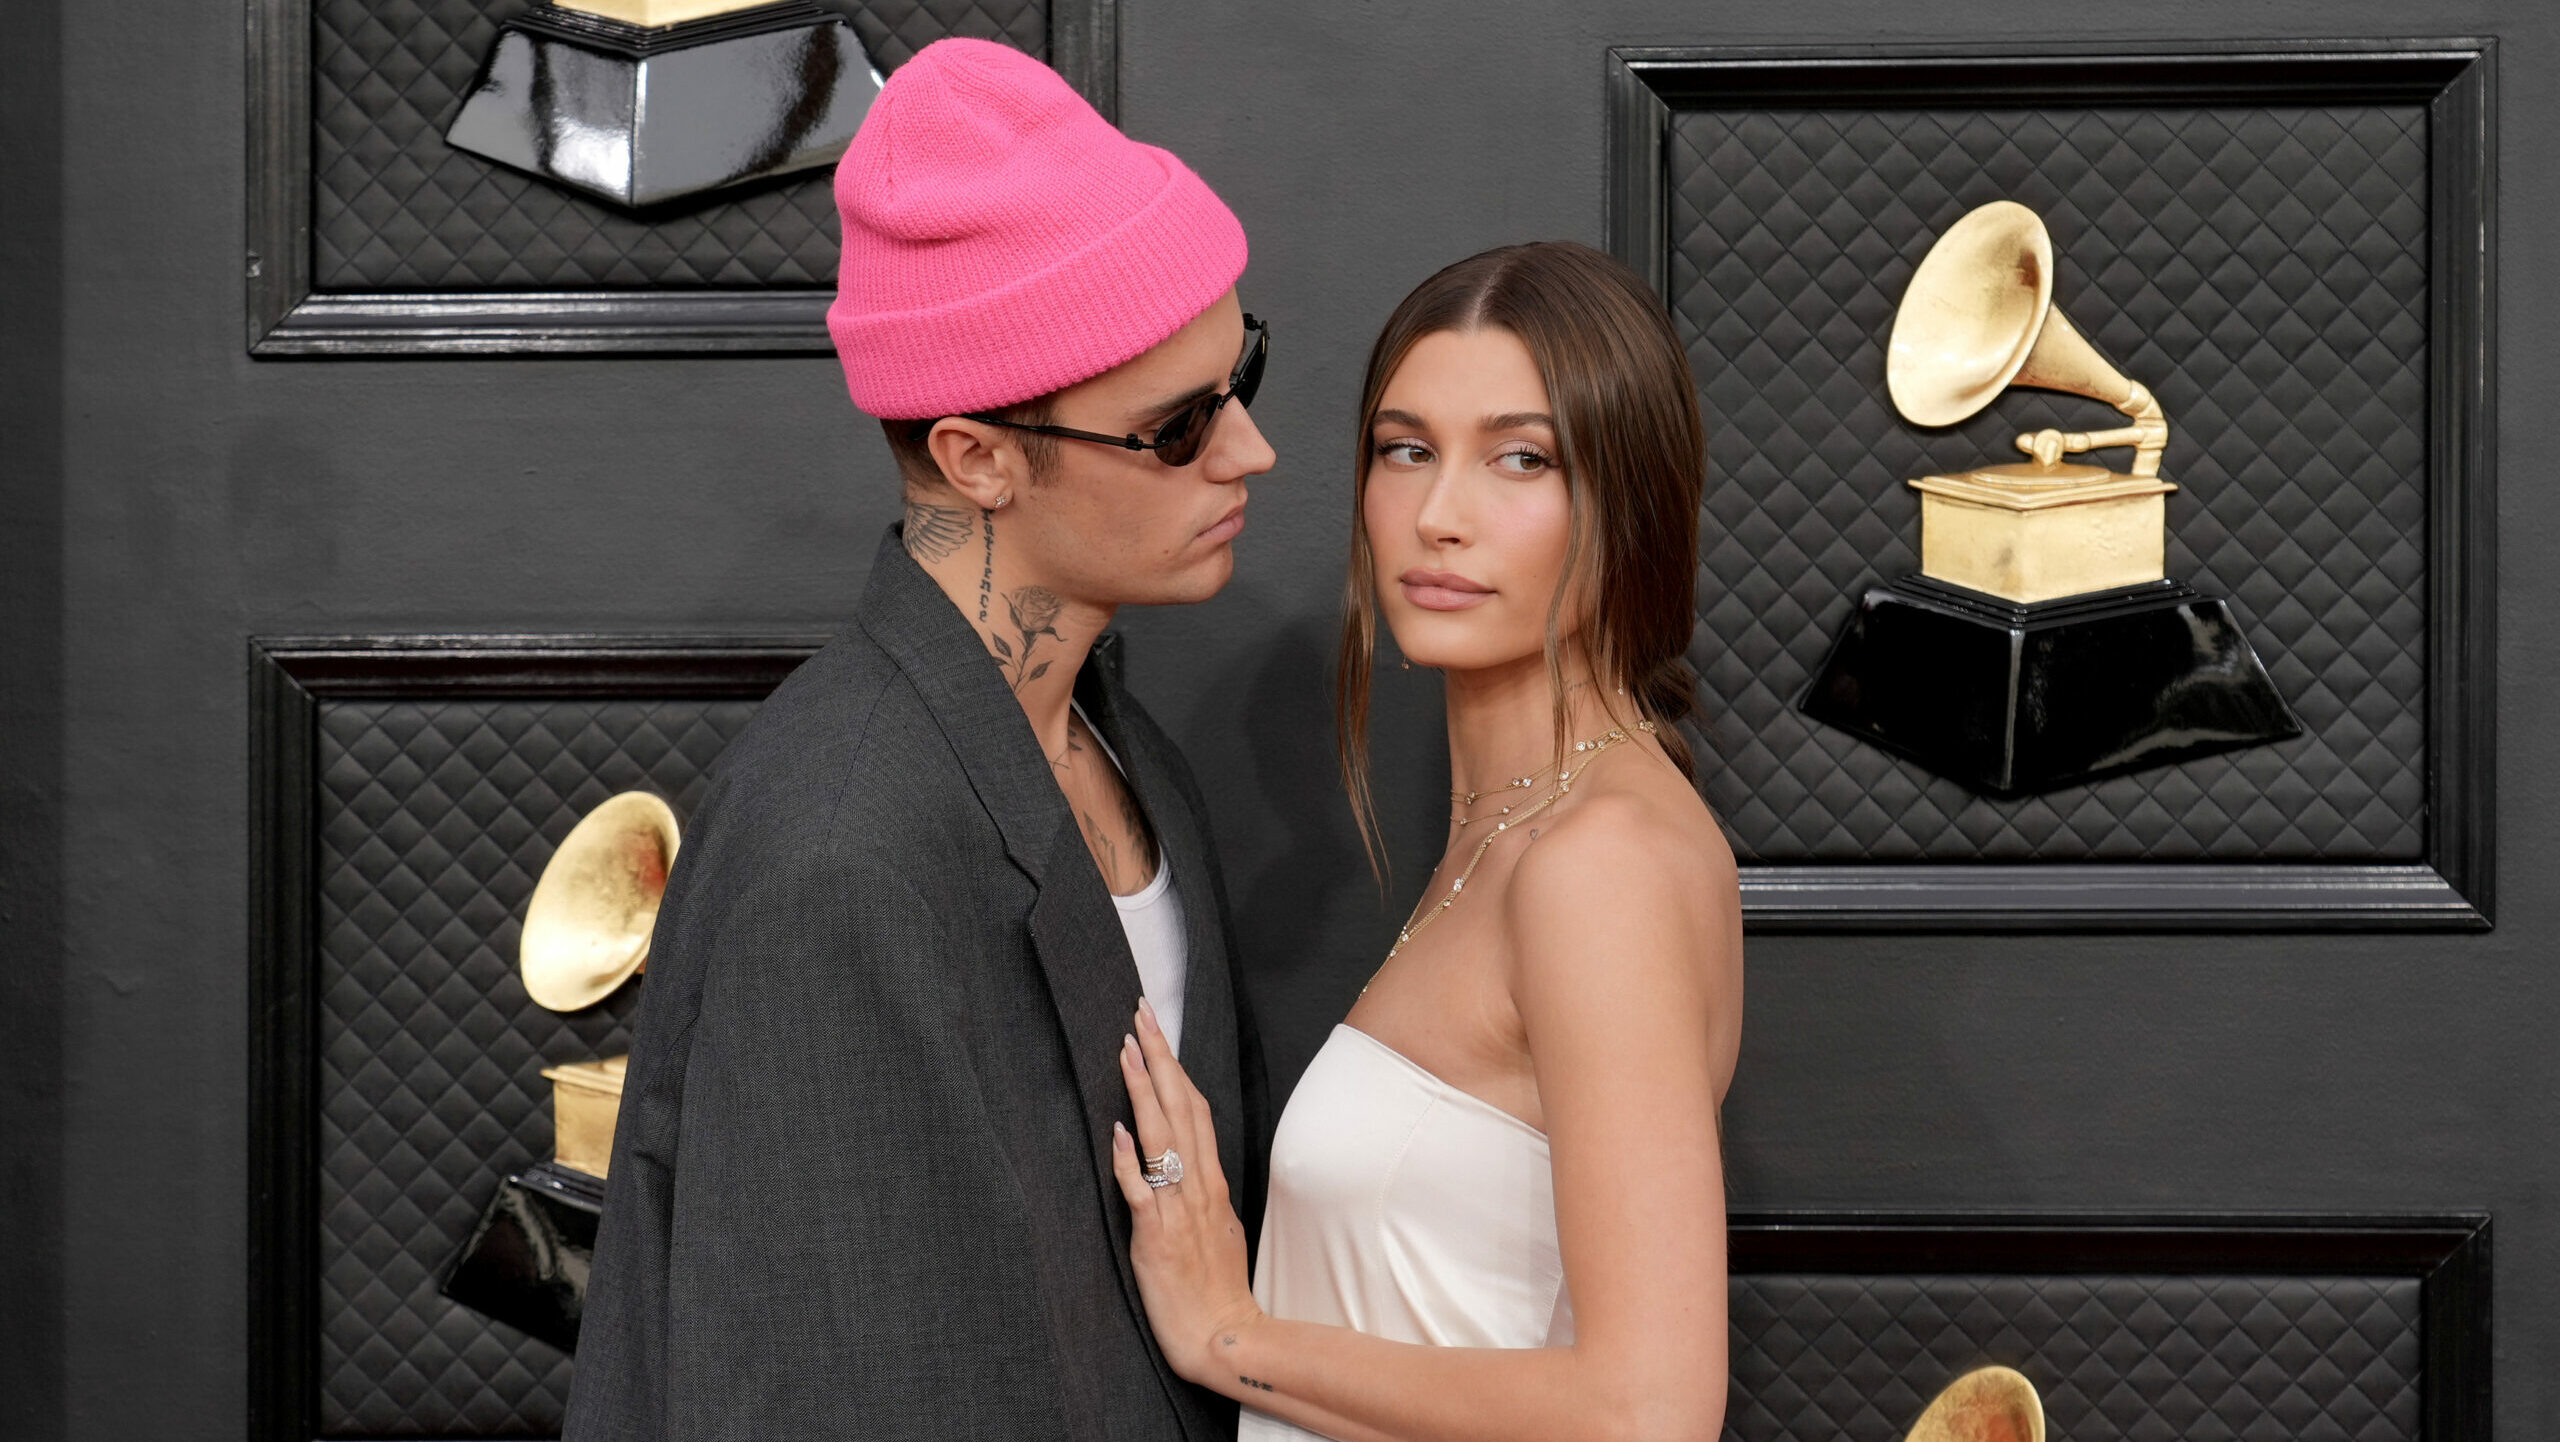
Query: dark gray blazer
{"x": 862, "y": 1181}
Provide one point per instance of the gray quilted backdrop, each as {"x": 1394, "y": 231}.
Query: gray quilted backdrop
{"x": 435, "y": 820}
{"x": 395, "y": 208}
{"x": 437, "y": 817}
{"x": 2116, "y": 1359}
{"x": 2262, "y": 270}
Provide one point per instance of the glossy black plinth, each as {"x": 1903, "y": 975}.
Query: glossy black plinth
{"x": 526, "y": 1263}
{"x": 2013, "y": 699}
{"x": 642, "y": 117}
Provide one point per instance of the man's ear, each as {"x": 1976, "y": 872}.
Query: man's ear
{"x": 982, "y": 463}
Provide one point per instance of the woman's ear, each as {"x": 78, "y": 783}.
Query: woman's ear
{"x": 985, "y": 465}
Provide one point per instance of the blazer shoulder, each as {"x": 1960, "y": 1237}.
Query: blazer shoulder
{"x": 846, "y": 744}
{"x": 815, "y": 723}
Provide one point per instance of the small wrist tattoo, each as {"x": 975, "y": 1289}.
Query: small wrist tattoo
{"x": 1257, "y": 1386}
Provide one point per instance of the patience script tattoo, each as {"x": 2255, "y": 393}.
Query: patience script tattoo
{"x": 987, "y": 577}
{"x": 1035, "y": 614}
{"x": 935, "y": 533}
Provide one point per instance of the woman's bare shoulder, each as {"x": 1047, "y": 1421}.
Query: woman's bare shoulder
{"x": 1643, "y": 850}
{"x": 1649, "y": 828}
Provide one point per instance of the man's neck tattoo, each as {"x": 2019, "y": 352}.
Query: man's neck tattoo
{"x": 935, "y": 533}
{"x": 1034, "y": 610}
{"x": 987, "y": 577}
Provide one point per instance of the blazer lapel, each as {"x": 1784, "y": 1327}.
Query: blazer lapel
{"x": 1075, "y": 929}
{"x": 1209, "y": 1040}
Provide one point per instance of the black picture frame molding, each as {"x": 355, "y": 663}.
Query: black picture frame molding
{"x": 2454, "y": 887}
{"x": 288, "y": 317}
{"x": 2448, "y": 1254}
{"x": 288, "y": 680}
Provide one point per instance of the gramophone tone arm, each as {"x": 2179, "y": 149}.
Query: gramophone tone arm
{"x": 2148, "y": 435}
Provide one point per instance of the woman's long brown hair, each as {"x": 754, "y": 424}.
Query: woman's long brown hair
{"x": 1633, "y": 452}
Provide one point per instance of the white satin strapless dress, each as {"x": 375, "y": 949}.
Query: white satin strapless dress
{"x": 1402, "y": 1207}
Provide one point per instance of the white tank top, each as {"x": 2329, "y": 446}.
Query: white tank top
{"x": 1405, "y": 1208}
{"x": 1152, "y": 918}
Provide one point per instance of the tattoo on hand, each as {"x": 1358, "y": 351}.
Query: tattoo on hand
{"x": 1228, "y": 1340}
{"x": 1035, "y": 614}
{"x": 934, "y": 533}
{"x": 1250, "y": 1382}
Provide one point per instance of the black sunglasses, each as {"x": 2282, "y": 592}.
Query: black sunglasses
{"x": 1179, "y": 440}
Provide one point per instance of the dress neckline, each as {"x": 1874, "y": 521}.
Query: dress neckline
{"x": 1431, "y": 1080}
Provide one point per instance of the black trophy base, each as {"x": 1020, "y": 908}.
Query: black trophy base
{"x": 644, "y": 117}
{"x": 526, "y": 1263}
{"x": 2015, "y": 699}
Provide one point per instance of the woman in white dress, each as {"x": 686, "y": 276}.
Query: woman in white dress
{"x": 1497, "y": 1197}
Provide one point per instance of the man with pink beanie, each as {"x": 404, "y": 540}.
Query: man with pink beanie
{"x": 862, "y": 1186}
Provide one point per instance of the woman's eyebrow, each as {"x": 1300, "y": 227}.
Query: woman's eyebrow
{"x": 1403, "y": 418}
{"x": 1519, "y": 420}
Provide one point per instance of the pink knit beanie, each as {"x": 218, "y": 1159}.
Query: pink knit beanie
{"x": 1002, "y": 240}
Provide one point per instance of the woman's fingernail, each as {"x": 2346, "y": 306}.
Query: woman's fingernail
{"x": 1119, "y": 1135}
{"x": 1129, "y": 1044}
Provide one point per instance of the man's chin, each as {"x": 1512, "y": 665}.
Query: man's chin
{"x": 1191, "y": 585}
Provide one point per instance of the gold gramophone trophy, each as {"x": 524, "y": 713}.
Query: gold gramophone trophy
{"x": 648, "y": 102}
{"x": 1988, "y": 1404}
{"x": 2042, "y": 643}
{"x": 586, "y": 932}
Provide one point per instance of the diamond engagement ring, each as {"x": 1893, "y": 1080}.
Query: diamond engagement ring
{"x": 1162, "y": 1171}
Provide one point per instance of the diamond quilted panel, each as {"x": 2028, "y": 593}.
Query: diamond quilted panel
{"x": 435, "y": 820}
{"x": 2116, "y": 1359}
{"x": 395, "y": 208}
{"x": 2262, "y": 270}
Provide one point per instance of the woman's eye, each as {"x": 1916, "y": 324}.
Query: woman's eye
{"x": 1522, "y": 463}
{"x": 1404, "y": 453}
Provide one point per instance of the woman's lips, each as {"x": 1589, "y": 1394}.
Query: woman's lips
{"x": 1442, "y": 590}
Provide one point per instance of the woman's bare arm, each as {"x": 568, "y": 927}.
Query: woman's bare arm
{"x": 1625, "y": 950}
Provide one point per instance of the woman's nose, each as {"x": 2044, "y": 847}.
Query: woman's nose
{"x": 1440, "y": 521}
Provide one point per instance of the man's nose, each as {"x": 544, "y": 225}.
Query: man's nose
{"x": 1238, "y": 449}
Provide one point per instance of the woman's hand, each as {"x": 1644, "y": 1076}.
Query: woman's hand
{"x": 1185, "y": 1241}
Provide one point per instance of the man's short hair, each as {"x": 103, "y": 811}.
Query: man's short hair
{"x": 917, "y": 467}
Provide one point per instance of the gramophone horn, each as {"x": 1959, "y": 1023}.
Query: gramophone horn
{"x": 587, "y": 929}
{"x": 1971, "y": 314}
{"x": 1993, "y": 1404}
{"x": 1979, "y": 317}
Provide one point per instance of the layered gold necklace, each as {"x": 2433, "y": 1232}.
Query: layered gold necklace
{"x": 1579, "y": 759}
